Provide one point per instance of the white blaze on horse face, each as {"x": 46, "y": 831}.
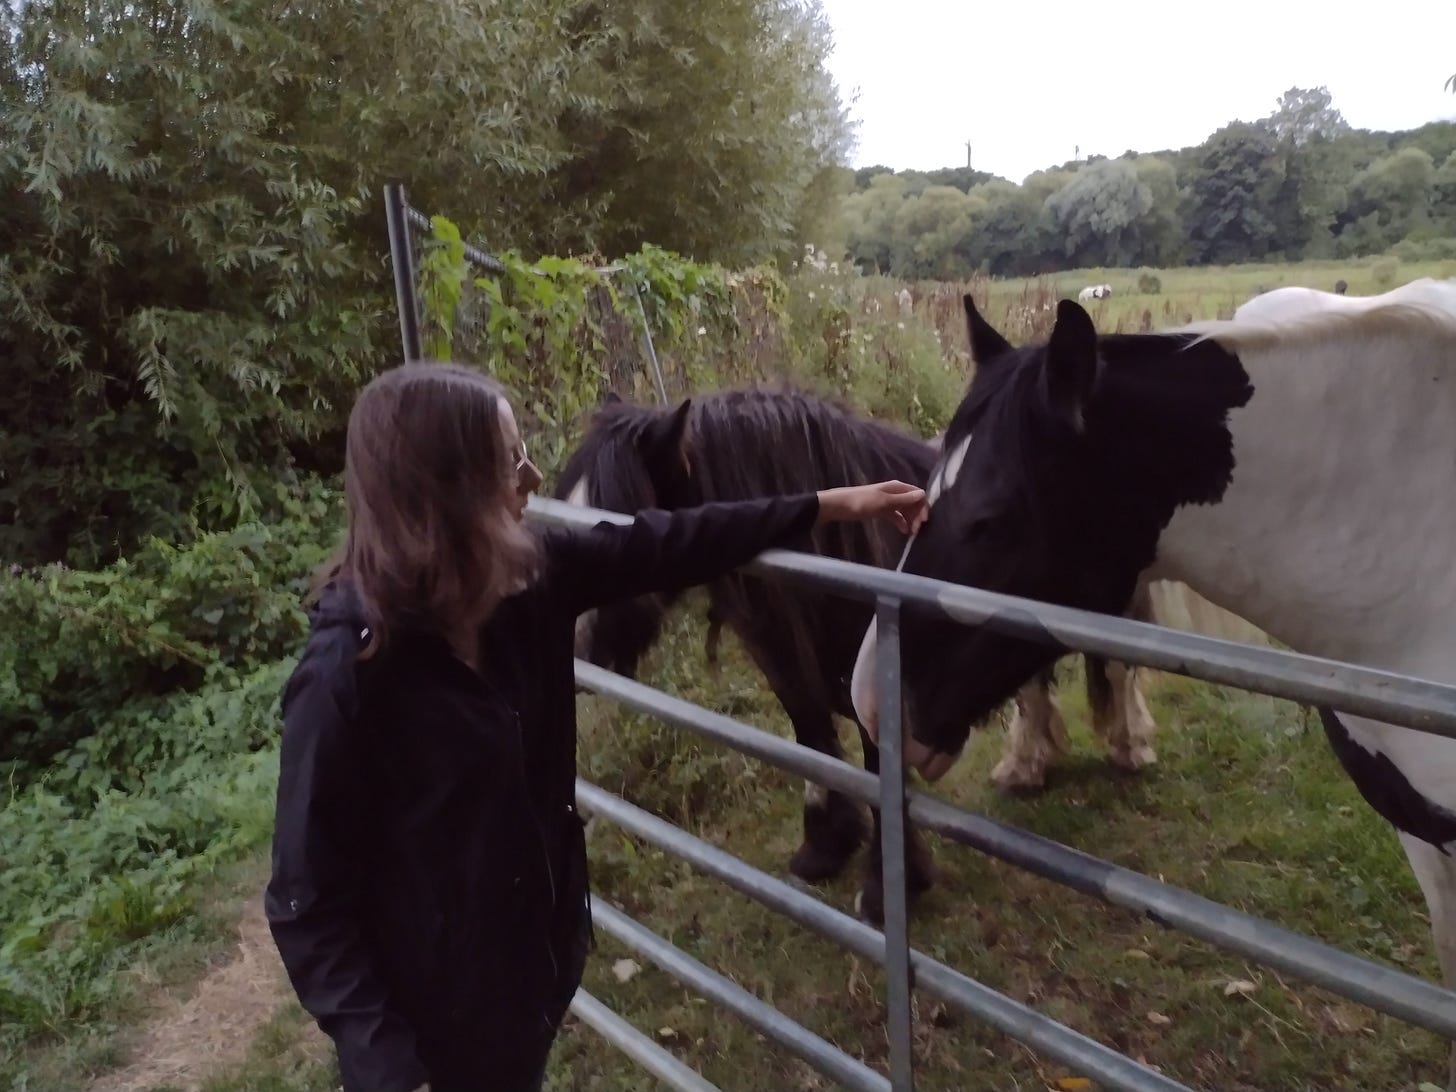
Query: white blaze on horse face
{"x": 863, "y": 693}
{"x": 946, "y": 473}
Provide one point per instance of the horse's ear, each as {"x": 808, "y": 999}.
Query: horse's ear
{"x": 612, "y": 399}
{"x": 1070, "y": 371}
{"x": 986, "y": 343}
{"x": 668, "y": 433}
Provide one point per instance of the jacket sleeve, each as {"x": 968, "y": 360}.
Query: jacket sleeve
{"x": 662, "y": 551}
{"x": 311, "y": 896}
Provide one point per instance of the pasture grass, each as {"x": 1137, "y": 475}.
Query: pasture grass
{"x": 1247, "y": 806}
{"x": 1024, "y": 308}
{"x": 1195, "y": 293}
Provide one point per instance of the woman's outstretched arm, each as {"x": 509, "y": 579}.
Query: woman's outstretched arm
{"x": 662, "y": 551}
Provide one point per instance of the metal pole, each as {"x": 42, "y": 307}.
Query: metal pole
{"x": 1082, "y": 1055}
{"x": 647, "y": 344}
{"x": 402, "y": 259}
{"x": 846, "y": 1072}
{"x": 1387, "y": 989}
{"x": 892, "y": 846}
{"x": 637, "y": 1046}
{"x": 1420, "y": 704}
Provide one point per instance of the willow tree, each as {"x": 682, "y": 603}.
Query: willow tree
{"x": 193, "y": 269}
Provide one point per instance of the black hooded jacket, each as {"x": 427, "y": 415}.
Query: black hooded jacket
{"x": 429, "y": 889}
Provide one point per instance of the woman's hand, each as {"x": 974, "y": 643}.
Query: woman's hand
{"x": 905, "y": 504}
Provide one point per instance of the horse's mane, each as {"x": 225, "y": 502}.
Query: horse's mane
{"x": 1426, "y": 307}
{"x": 745, "y": 444}
{"x": 762, "y": 441}
{"x": 607, "y": 456}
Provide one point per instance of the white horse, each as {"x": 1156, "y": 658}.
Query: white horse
{"x": 1095, "y": 292}
{"x": 1295, "y": 465}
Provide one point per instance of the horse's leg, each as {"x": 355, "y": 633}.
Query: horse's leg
{"x": 1436, "y": 873}
{"x": 919, "y": 870}
{"x": 834, "y": 826}
{"x": 1036, "y": 737}
{"x": 1119, "y": 714}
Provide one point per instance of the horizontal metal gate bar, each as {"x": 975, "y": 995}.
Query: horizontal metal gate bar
{"x": 1386, "y": 989}
{"x": 1362, "y": 691}
{"x": 1085, "y": 1057}
{"x": 637, "y": 1046}
{"x": 824, "y": 1056}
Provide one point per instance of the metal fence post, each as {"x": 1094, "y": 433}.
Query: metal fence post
{"x": 647, "y": 343}
{"x": 892, "y": 844}
{"x": 402, "y": 259}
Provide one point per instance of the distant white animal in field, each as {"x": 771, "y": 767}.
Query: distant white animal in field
{"x": 1095, "y": 292}
{"x": 907, "y": 301}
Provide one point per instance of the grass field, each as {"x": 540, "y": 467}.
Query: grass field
{"x": 1246, "y": 806}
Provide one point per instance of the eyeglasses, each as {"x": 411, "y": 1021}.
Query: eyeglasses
{"x": 523, "y": 459}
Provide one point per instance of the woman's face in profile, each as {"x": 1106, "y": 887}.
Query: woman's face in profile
{"x": 522, "y": 476}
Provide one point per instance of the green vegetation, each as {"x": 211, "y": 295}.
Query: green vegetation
{"x": 192, "y": 287}
{"x": 191, "y": 283}
{"x": 139, "y": 729}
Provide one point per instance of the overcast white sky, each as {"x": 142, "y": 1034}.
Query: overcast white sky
{"x": 1028, "y": 81}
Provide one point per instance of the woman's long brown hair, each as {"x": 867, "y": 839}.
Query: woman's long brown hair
{"x": 431, "y": 541}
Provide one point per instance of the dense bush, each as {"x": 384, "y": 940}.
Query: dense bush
{"x": 80, "y": 645}
{"x": 193, "y": 272}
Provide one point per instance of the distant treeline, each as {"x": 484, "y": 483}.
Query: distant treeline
{"x": 1298, "y": 184}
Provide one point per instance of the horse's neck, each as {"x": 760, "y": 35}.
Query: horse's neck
{"x": 1338, "y": 533}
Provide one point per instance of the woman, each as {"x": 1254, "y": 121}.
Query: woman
{"x": 429, "y": 887}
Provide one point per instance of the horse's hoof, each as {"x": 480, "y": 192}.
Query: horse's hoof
{"x": 869, "y": 903}
{"x": 1134, "y": 758}
{"x": 1017, "y": 777}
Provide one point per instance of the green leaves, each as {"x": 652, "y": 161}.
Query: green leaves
{"x": 560, "y": 332}
{"x": 195, "y": 238}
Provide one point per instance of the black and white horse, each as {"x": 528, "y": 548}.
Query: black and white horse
{"x": 1295, "y": 464}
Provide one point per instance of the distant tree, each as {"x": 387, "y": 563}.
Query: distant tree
{"x": 1231, "y": 192}
{"x": 1012, "y": 236}
{"x": 869, "y": 219}
{"x": 962, "y": 178}
{"x": 864, "y": 175}
{"x": 1098, "y": 213}
{"x": 933, "y": 233}
{"x": 1443, "y": 196}
{"x": 1387, "y": 201}
{"x": 1306, "y": 114}
{"x": 1160, "y": 233}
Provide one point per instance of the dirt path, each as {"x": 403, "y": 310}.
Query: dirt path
{"x": 188, "y": 1042}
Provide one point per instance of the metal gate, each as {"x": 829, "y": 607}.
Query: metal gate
{"x": 1414, "y": 703}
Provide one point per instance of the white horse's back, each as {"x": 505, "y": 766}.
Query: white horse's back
{"x": 1282, "y": 304}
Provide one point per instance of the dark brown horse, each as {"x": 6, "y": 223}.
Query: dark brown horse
{"x": 756, "y": 442}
